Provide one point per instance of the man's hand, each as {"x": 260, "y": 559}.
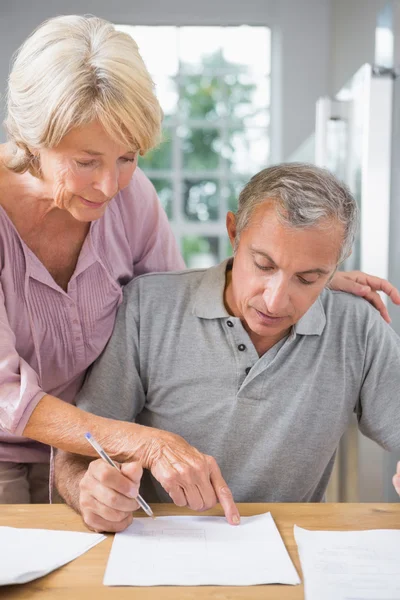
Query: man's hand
{"x": 190, "y": 478}
{"x": 107, "y": 495}
{"x": 396, "y": 479}
{"x": 367, "y": 286}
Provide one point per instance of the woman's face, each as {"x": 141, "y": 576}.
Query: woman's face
{"x": 86, "y": 170}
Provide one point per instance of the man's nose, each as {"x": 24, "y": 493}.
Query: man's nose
{"x": 276, "y": 296}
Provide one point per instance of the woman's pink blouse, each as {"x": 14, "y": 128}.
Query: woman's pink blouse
{"x": 48, "y": 337}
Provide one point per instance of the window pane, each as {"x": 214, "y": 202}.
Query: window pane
{"x": 149, "y": 40}
{"x": 167, "y": 94}
{"x": 200, "y": 199}
{"x": 247, "y": 150}
{"x": 160, "y": 157}
{"x": 196, "y": 46}
{"x": 202, "y": 97}
{"x": 227, "y": 249}
{"x": 248, "y": 99}
{"x": 249, "y": 47}
{"x": 164, "y": 191}
{"x": 201, "y": 148}
{"x": 200, "y": 252}
{"x": 233, "y": 190}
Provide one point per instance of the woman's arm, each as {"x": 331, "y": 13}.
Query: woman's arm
{"x": 178, "y": 466}
{"x": 62, "y": 425}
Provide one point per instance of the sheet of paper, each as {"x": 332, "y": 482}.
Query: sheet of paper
{"x": 199, "y": 551}
{"x": 350, "y": 565}
{"x": 27, "y": 554}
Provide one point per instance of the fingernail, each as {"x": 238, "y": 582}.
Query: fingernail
{"x": 236, "y": 520}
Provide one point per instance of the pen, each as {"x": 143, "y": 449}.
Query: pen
{"x": 103, "y": 454}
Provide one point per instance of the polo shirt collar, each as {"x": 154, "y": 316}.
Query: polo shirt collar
{"x": 209, "y": 302}
{"x": 209, "y": 298}
{"x": 312, "y": 322}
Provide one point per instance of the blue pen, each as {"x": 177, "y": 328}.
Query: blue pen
{"x": 103, "y": 454}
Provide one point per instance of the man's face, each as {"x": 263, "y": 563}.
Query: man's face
{"x": 279, "y": 271}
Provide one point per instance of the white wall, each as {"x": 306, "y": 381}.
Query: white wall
{"x": 353, "y": 38}
{"x": 301, "y": 32}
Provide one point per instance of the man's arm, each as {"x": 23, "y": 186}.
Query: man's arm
{"x": 69, "y": 470}
{"x": 378, "y": 407}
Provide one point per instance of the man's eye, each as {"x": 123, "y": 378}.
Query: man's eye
{"x": 305, "y": 281}
{"x": 263, "y": 268}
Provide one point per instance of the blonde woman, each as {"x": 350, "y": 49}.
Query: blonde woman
{"x": 78, "y": 220}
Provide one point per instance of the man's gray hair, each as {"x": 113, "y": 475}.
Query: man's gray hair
{"x": 304, "y": 196}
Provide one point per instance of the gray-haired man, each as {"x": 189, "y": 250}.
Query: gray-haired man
{"x": 253, "y": 362}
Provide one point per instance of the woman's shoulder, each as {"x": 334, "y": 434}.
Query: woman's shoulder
{"x": 5, "y": 176}
{"x": 138, "y": 201}
{"x": 139, "y": 188}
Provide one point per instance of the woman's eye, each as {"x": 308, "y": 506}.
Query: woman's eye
{"x": 85, "y": 164}
{"x": 128, "y": 160}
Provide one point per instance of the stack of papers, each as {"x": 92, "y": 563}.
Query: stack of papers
{"x": 27, "y": 554}
{"x": 350, "y": 565}
{"x": 200, "y": 551}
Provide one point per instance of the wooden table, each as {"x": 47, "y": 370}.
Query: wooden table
{"x": 82, "y": 578}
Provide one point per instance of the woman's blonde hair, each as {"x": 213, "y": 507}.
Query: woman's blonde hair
{"x": 71, "y": 71}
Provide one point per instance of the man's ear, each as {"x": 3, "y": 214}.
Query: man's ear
{"x": 231, "y": 227}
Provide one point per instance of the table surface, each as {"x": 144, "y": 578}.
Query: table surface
{"x": 82, "y": 578}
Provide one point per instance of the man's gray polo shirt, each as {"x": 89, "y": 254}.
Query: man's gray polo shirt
{"x": 178, "y": 361}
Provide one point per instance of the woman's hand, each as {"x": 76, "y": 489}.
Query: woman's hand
{"x": 190, "y": 478}
{"x": 367, "y": 286}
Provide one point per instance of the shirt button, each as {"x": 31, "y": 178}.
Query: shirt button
{"x": 78, "y": 339}
{"x": 75, "y": 321}
{"x": 241, "y": 347}
{"x": 247, "y": 371}
{"x": 229, "y": 323}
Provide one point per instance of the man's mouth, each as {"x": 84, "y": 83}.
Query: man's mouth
{"x": 269, "y": 319}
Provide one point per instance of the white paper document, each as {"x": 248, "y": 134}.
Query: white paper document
{"x": 350, "y": 565}
{"x": 27, "y": 554}
{"x": 200, "y": 551}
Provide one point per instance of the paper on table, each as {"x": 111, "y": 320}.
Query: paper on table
{"x": 27, "y": 554}
{"x": 199, "y": 551}
{"x": 350, "y": 565}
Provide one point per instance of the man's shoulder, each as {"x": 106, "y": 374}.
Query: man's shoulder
{"x": 167, "y": 285}
{"x": 355, "y": 311}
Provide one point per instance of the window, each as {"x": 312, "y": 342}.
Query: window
{"x": 213, "y": 84}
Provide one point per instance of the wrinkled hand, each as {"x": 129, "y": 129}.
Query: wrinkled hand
{"x": 107, "y": 495}
{"x": 190, "y": 478}
{"x": 396, "y": 479}
{"x": 367, "y": 286}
